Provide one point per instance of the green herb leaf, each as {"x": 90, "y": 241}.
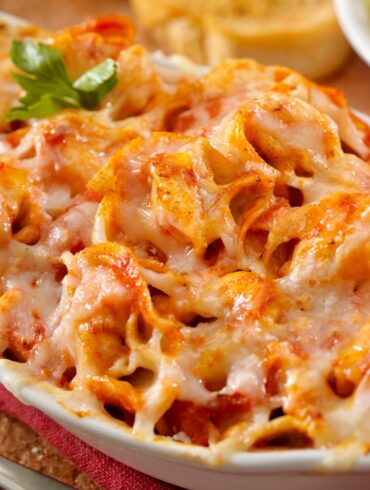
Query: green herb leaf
{"x": 47, "y": 85}
{"x": 46, "y": 106}
{"x": 96, "y": 83}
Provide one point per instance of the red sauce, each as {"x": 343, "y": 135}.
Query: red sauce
{"x": 199, "y": 423}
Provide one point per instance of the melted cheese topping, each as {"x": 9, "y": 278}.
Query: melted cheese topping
{"x": 193, "y": 257}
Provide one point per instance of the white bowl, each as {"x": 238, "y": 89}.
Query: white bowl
{"x": 354, "y": 18}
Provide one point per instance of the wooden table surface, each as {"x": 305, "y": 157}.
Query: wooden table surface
{"x": 19, "y": 442}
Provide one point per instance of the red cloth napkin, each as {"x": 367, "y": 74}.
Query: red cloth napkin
{"x": 105, "y": 471}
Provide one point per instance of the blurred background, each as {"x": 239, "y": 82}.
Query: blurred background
{"x": 302, "y": 34}
{"x": 56, "y": 14}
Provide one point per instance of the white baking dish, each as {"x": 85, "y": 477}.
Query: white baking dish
{"x": 185, "y": 466}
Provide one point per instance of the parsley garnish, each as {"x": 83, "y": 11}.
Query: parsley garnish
{"x": 47, "y": 86}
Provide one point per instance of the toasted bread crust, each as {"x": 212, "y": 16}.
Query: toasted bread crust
{"x": 305, "y": 36}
